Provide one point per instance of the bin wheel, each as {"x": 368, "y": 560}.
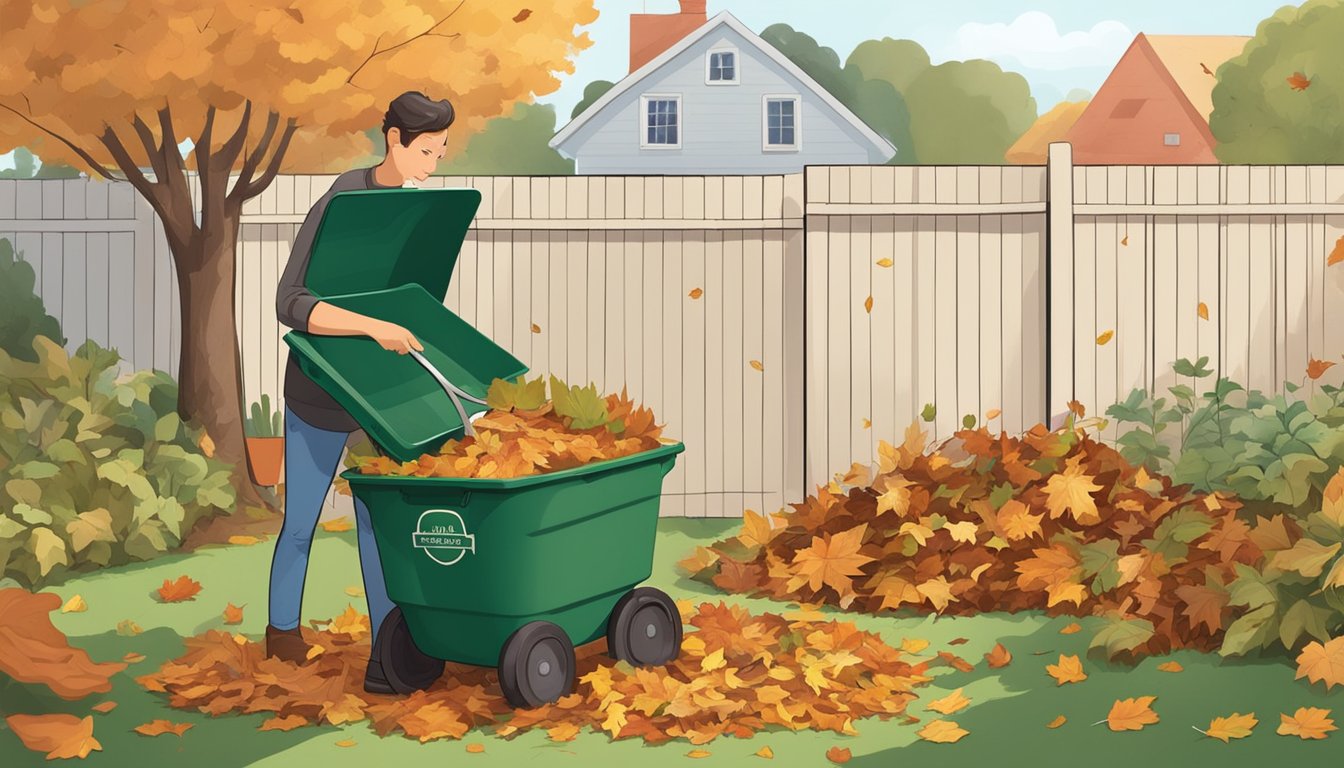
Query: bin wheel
{"x": 536, "y": 665}
{"x": 406, "y": 667}
{"x": 644, "y": 628}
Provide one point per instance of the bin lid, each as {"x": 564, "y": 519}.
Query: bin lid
{"x": 390, "y": 254}
{"x": 371, "y": 239}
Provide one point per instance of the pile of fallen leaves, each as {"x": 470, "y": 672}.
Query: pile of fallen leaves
{"x": 1052, "y": 520}
{"x": 526, "y": 434}
{"x": 737, "y": 673}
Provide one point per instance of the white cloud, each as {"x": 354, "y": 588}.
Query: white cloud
{"x": 1033, "y": 40}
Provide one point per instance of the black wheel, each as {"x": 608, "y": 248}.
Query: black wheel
{"x": 406, "y": 667}
{"x": 536, "y": 665}
{"x": 644, "y": 628}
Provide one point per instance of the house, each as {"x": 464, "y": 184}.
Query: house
{"x": 1034, "y": 145}
{"x": 710, "y": 96}
{"x": 1154, "y": 107}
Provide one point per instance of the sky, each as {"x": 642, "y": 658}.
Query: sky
{"x": 1058, "y": 45}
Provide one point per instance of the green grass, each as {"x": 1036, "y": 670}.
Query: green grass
{"x": 1007, "y": 718}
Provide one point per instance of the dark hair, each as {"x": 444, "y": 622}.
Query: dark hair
{"x": 415, "y": 113}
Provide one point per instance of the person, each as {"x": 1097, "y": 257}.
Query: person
{"x": 317, "y": 429}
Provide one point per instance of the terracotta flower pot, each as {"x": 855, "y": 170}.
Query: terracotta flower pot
{"x": 264, "y": 456}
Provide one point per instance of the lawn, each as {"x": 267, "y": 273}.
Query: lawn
{"x": 1006, "y": 720}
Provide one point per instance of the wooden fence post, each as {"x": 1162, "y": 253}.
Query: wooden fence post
{"x": 1059, "y": 287}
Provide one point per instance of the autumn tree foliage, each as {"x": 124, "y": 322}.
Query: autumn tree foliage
{"x": 260, "y": 88}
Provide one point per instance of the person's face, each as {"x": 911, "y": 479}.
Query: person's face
{"x": 418, "y": 159}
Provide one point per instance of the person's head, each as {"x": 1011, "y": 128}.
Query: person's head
{"x": 416, "y": 132}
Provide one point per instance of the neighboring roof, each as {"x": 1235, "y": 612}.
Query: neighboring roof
{"x": 1034, "y": 145}
{"x": 1186, "y": 56}
{"x": 723, "y": 18}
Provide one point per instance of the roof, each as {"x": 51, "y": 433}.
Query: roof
{"x": 1186, "y": 56}
{"x": 1033, "y": 146}
{"x": 722, "y": 19}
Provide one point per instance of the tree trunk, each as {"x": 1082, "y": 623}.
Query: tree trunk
{"x": 210, "y": 372}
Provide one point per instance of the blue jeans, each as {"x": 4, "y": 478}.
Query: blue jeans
{"x": 312, "y": 457}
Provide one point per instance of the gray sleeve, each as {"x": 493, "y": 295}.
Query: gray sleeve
{"x": 293, "y": 301}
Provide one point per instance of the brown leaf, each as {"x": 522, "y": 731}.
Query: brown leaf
{"x": 838, "y": 755}
{"x": 522, "y": 15}
{"x": 536, "y": 328}
{"x": 233, "y": 614}
{"x": 34, "y": 651}
{"x": 1077, "y": 409}
{"x": 1125, "y": 240}
{"x": 294, "y": 14}
{"x": 185, "y": 588}
{"x": 59, "y": 736}
{"x": 1132, "y": 714}
{"x": 998, "y": 656}
{"x": 1205, "y": 68}
{"x": 956, "y": 662}
{"x": 160, "y": 727}
{"x": 1298, "y": 81}
{"x": 959, "y": 641}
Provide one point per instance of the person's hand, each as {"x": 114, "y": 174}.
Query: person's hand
{"x": 394, "y": 338}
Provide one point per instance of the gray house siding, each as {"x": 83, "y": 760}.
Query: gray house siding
{"x": 720, "y": 125}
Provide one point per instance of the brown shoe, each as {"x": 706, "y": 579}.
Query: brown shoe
{"x": 286, "y": 645}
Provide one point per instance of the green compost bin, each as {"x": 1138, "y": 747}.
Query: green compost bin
{"x": 492, "y": 572}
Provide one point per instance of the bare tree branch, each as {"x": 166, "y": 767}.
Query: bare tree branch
{"x": 93, "y": 164}
{"x": 228, "y": 153}
{"x": 147, "y": 188}
{"x": 272, "y": 168}
{"x": 253, "y": 160}
{"x": 171, "y": 154}
{"x": 427, "y": 32}
{"x": 203, "y": 163}
{"x": 147, "y": 140}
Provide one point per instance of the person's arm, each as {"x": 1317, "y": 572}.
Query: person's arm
{"x": 298, "y": 308}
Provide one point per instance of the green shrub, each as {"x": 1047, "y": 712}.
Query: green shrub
{"x": 262, "y": 421}
{"x": 96, "y": 470}
{"x": 22, "y": 315}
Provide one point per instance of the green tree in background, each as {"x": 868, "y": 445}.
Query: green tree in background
{"x": 898, "y": 62}
{"x": 968, "y": 112}
{"x": 22, "y": 313}
{"x": 875, "y": 101}
{"x": 26, "y": 166}
{"x": 512, "y": 145}
{"x": 591, "y": 93}
{"x": 1258, "y": 117}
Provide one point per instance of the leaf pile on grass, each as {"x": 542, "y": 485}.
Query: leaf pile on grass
{"x": 1055, "y": 521}
{"x": 526, "y": 434}
{"x": 736, "y": 675}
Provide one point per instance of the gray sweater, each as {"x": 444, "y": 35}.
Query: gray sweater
{"x": 294, "y": 303}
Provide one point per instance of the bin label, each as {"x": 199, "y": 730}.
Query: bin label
{"x": 442, "y": 534}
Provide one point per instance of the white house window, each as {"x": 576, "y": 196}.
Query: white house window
{"x": 661, "y": 122}
{"x": 1171, "y": 139}
{"x": 722, "y": 67}
{"x": 781, "y": 122}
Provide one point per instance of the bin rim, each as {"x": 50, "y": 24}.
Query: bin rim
{"x": 666, "y": 450}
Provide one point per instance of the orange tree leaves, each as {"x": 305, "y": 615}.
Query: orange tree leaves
{"x": 34, "y": 651}
{"x": 737, "y": 674}
{"x": 1050, "y": 520}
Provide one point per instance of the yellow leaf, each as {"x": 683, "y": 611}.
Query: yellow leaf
{"x": 206, "y": 445}
{"x": 963, "y": 531}
{"x": 868, "y": 305}
{"x": 1017, "y": 521}
{"x": 696, "y": 293}
{"x": 885, "y": 262}
{"x": 1072, "y": 490}
{"x": 1105, "y": 337}
{"x": 1332, "y": 501}
{"x": 993, "y": 413}
{"x": 346, "y": 743}
{"x": 243, "y": 540}
{"x": 867, "y": 424}
{"x": 133, "y": 658}
{"x": 1132, "y": 714}
{"x": 953, "y": 702}
{"x": 766, "y": 752}
{"x": 339, "y": 525}
{"x": 913, "y": 645}
{"x": 1068, "y": 670}
{"x": 938, "y": 592}
{"x": 354, "y": 591}
{"x": 1170, "y": 666}
{"x": 697, "y": 754}
{"x": 1058, "y": 721}
{"x": 758, "y": 365}
{"x": 713, "y": 661}
{"x": 1234, "y": 726}
{"x": 75, "y": 604}
{"x": 314, "y": 651}
{"x": 942, "y": 732}
{"x": 1322, "y": 663}
{"x": 1203, "y": 311}
{"x": 475, "y": 748}
{"x": 1307, "y": 723}
{"x": 1125, "y": 240}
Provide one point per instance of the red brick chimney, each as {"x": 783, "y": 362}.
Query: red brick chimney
{"x": 653, "y": 33}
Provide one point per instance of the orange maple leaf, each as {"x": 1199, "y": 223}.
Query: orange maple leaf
{"x": 1298, "y": 81}
{"x": 1307, "y": 723}
{"x": 838, "y": 755}
{"x": 160, "y": 727}
{"x": 59, "y": 736}
{"x": 1234, "y": 726}
{"x": 1322, "y": 663}
{"x": 233, "y": 614}
{"x": 942, "y": 732}
{"x": 1132, "y": 714}
{"x": 833, "y": 561}
{"x": 951, "y": 703}
{"x": 1068, "y": 670}
{"x": 185, "y": 588}
{"x": 1072, "y": 490}
{"x": 1170, "y": 666}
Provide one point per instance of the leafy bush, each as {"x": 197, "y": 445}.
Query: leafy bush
{"x": 1275, "y": 447}
{"x": 22, "y": 315}
{"x": 96, "y": 470}
{"x": 263, "y": 422}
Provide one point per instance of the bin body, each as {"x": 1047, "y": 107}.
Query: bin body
{"x": 470, "y": 560}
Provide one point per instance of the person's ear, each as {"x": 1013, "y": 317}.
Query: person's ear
{"x": 393, "y": 136}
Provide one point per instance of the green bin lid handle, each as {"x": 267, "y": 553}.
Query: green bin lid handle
{"x": 454, "y": 392}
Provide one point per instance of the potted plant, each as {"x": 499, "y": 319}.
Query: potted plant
{"x": 265, "y": 442}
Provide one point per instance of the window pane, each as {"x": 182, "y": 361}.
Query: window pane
{"x": 788, "y": 135}
{"x": 671, "y": 135}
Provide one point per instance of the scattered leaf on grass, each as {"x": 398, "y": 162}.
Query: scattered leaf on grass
{"x": 942, "y": 732}
{"x": 1068, "y": 670}
{"x": 913, "y": 645}
{"x": 104, "y": 706}
{"x": 475, "y": 748}
{"x": 128, "y": 628}
{"x": 133, "y": 658}
{"x": 286, "y": 723}
{"x": 1170, "y": 666}
{"x": 697, "y": 754}
{"x": 838, "y": 755}
{"x": 160, "y": 727}
{"x": 998, "y": 657}
{"x": 1132, "y": 714}
{"x": 956, "y": 662}
{"x": 59, "y": 736}
{"x": 1071, "y": 628}
{"x": 346, "y": 743}
{"x": 563, "y": 732}
{"x": 75, "y": 604}
{"x": 184, "y": 588}
{"x": 1307, "y": 723}
{"x": 953, "y": 702}
{"x": 958, "y": 641}
{"x": 233, "y": 614}
{"x": 1058, "y": 721}
{"x": 1234, "y": 726}
{"x": 1322, "y": 663}
{"x": 244, "y": 540}
{"x": 766, "y": 752}
{"x": 338, "y": 525}
{"x": 354, "y": 591}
